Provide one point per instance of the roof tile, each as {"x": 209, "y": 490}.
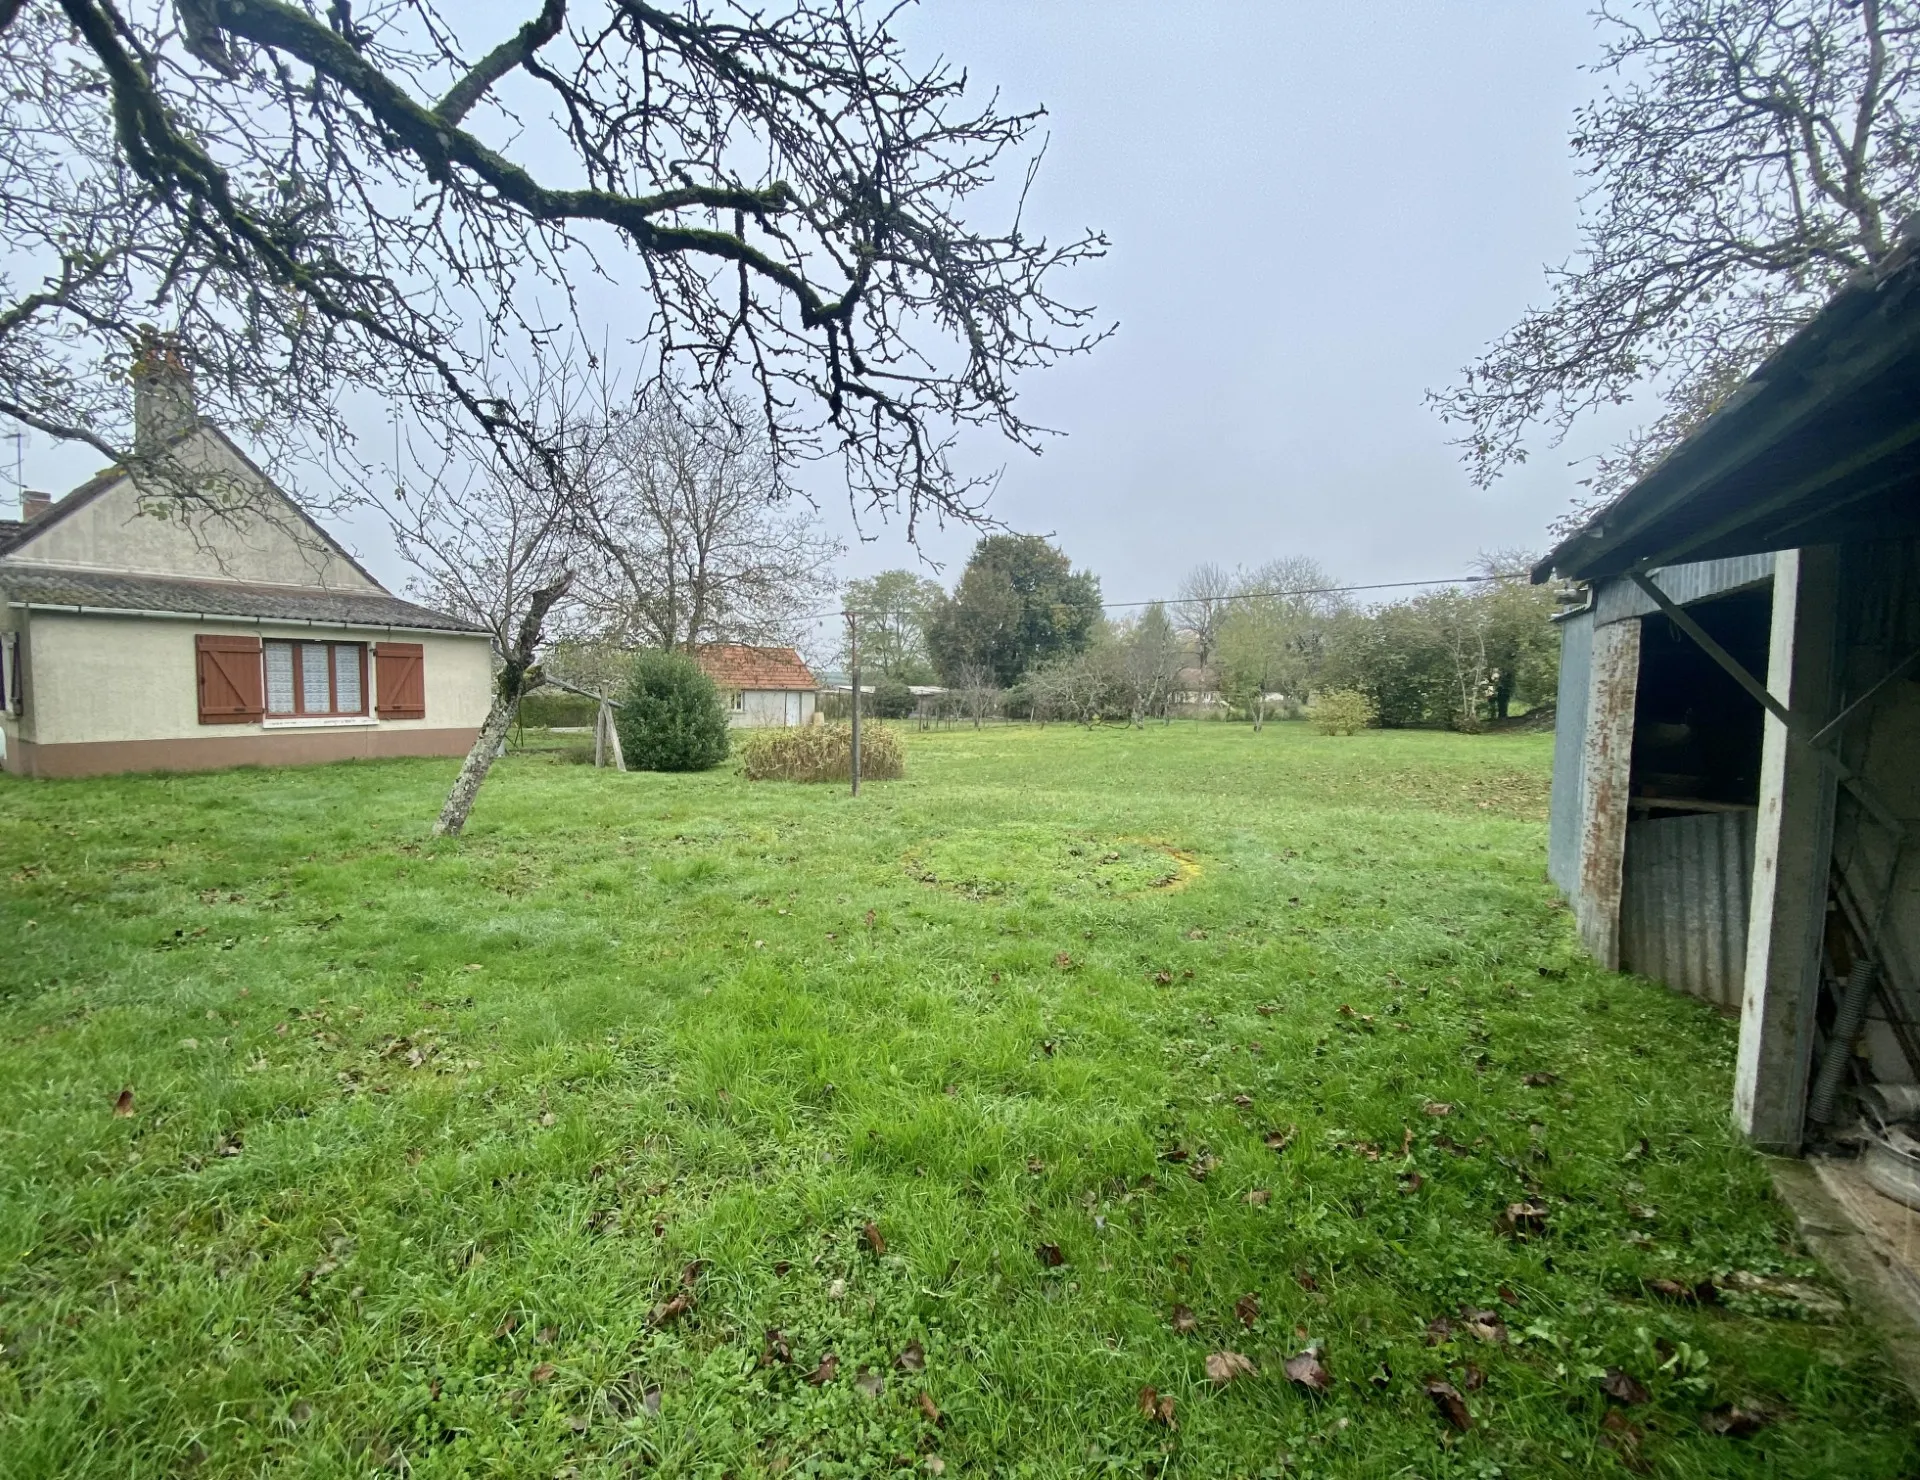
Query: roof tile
{"x": 734, "y": 665}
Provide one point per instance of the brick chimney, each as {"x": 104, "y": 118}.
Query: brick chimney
{"x": 34, "y": 503}
{"x": 163, "y": 404}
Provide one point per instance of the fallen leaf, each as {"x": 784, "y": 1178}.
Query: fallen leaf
{"x": 1452, "y": 1407}
{"x": 123, "y": 1105}
{"x": 1412, "y": 1182}
{"x": 1163, "y": 978}
{"x": 1485, "y": 1325}
{"x": 936, "y": 1465}
{"x": 929, "y": 1409}
{"x": 1175, "y": 1154}
{"x": 869, "y": 919}
{"x": 1048, "y": 1046}
{"x": 543, "y": 1373}
{"x": 1522, "y": 1220}
{"x": 1303, "y": 1277}
{"x": 1735, "y": 1421}
{"x": 1266, "y": 1009}
{"x": 669, "y": 1311}
{"x": 1247, "y": 1308}
{"x": 1672, "y": 1290}
{"x": 547, "y": 1335}
{"x": 912, "y": 1358}
{"x": 1157, "y": 1407}
{"x": 776, "y": 1349}
{"x": 1050, "y": 1255}
{"x": 1472, "y": 1378}
{"x": 1439, "y": 1330}
{"x": 870, "y": 1383}
{"x": 823, "y": 1374}
{"x": 1345, "y": 1011}
{"x": 1307, "y": 1370}
{"x": 1406, "y": 1140}
{"x": 1199, "y": 1170}
{"x": 1225, "y": 1367}
{"x": 508, "y": 1325}
{"x": 837, "y": 1290}
{"x": 1259, "y": 1197}
{"x": 650, "y": 1400}
{"x": 1539, "y": 1080}
{"x": 1437, "y": 1107}
{"x": 1243, "y": 1101}
{"x": 1183, "y": 1322}
{"x": 1621, "y": 1437}
{"x": 1623, "y": 1388}
{"x": 549, "y": 1118}
{"x": 876, "y": 1240}
{"x": 1063, "y": 961}
{"x": 1278, "y": 1141}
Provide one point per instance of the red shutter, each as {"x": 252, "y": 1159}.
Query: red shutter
{"x": 400, "y": 680}
{"x": 231, "y": 688}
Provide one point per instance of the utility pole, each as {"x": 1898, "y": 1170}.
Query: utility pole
{"x": 853, "y": 650}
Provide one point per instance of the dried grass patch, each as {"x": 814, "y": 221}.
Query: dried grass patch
{"x": 821, "y": 753}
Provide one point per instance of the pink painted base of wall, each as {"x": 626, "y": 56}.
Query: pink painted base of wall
{"x": 217, "y": 752}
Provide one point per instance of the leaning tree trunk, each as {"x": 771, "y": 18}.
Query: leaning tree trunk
{"x": 518, "y": 675}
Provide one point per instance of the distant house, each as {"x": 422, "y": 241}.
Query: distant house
{"x": 764, "y": 687}
{"x": 133, "y": 641}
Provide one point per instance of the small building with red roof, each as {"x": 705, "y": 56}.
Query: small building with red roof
{"x": 762, "y": 686}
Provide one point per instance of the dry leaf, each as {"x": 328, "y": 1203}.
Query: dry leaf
{"x": 1412, "y": 1183}
{"x": 1243, "y": 1101}
{"x": 650, "y": 1399}
{"x": 1259, "y": 1197}
{"x": 1621, "y": 1437}
{"x": 1623, "y": 1388}
{"x": 1198, "y": 1170}
{"x": 823, "y": 1374}
{"x": 912, "y": 1358}
{"x": 1225, "y": 1367}
{"x": 1485, "y": 1324}
{"x": 870, "y": 1383}
{"x": 1452, "y": 1407}
{"x": 1673, "y": 1290}
{"x": 929, "y": 1409}
{"x": 777, "y": 1349}
{"x": 1539, "y": 1080}
{"x": 1063, "y": 961}
{"x": 1735, "y": 1421}
{"x": 508, "y": 1325}
{"x": 876, "y": 1240}
{"x": 543, "y": 1373}
{"x": 1522, "y": 1220}
{"x": 1049, "y": 1255}
{"x": 123, "y": 1105}
{"x": 1439, "y": 1330}
{"x": 1278, "y": 1141}
{"x": 1247, "y": 1308}
{"x": 1183, "y": 1322}
{"x": 1472, "y": 1378}
{"x": 670, "y": 1311}
{"x": 1304, "y": 1278}
{"x": 1437, "y": 1107}
{"x": 1157, "y": 1407}
{"x": 936, "y": 1465}
{"x": 1308, "y": 1371}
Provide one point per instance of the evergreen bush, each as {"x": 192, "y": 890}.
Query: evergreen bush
{"x": 671, "y": 718}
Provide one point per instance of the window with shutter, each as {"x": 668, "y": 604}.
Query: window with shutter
{"x": 229, "y": 679}
{"x": 316, "y": 680}
{"x": 400, "y": 683}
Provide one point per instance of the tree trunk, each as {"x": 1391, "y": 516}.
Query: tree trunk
{"x": 517, "y": 677}
{"x": 474, "y": 769}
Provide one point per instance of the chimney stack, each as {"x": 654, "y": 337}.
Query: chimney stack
{"x": 163, "y": 404}
{"x": 33, "y": 503}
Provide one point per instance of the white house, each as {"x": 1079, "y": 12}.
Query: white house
{"x": 137, "y": 637}
{"x": 762, "y": 686}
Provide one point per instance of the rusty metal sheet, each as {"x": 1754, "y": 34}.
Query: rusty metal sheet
{"x": 1618, "y": 599}
{"x": 1686, "y": 884}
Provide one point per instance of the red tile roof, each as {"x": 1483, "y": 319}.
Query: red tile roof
{"x": 734, "y": 665}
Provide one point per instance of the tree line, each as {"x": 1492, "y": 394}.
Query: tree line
{"x": 1022, "y": 634}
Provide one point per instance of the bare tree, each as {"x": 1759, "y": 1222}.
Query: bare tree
{"x": 316, "y": 199}
{"x": 1202, "y": 606}
{"x": 1748, "y": 157}
{"x": 1149, "y": 664}
{"x": 497, "y": 538}
{"x": 691, "y": 544}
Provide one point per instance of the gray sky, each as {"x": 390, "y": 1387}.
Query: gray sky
{"x": 1317, "y": 212}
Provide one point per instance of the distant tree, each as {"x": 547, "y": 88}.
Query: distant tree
{"x": 1751, "y": 155}
{"x": 671, "y": 718}
{"x": 893, "y": 609}
{"x": 1272, "y": 641}
{"x": 892, "y": 698}
{"x": 1149, "y": 660}
{"x": 1205, "y": 594}
{"x": 1523, "y": 646}
{"x": 1019, "y": 603}
{"x": 690, "y": 540}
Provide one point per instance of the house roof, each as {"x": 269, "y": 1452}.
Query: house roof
{"x": 106, "y": 591}
{"x": 734, "y": 665}
{"x": 1821, "y": 445}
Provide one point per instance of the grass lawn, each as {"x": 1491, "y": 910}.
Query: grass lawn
{"x": 679, "y": 1125}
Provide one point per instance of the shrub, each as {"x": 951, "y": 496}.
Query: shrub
{"x": 671, "y": 718}
{"x": 1343, "y": 712}
{"x": 821, "y": 753}
{"x": 546, "y": 708}
{"x": 891, "y": 698}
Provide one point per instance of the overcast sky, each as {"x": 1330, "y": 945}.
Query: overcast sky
{"x": 1317, "y": 213}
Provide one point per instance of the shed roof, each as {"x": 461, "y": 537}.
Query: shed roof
{"x": 734, "y": 665}
{"x": 1821, "y": 445}
{"x": 103, "y": 591}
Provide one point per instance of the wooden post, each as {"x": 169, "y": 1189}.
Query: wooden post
{"x": 1792, "y": 857}
{"x": 1606, "y": 762}
{"x": 853, "y": 649}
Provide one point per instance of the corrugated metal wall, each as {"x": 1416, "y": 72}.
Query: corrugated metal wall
{"x": 1569, "y": 736}
{"x": 1684, "y": 898}
{"x": 1617, "y": 600}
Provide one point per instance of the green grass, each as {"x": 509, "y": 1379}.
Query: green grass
{"x": 422, "y": 1133}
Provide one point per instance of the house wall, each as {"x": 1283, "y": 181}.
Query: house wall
{"x": 772, "y": 709}
{"x": 106, "y": 694}
{"x": 267, "y": 542}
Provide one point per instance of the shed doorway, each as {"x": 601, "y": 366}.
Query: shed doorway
{"x": 1693, "y": 798}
